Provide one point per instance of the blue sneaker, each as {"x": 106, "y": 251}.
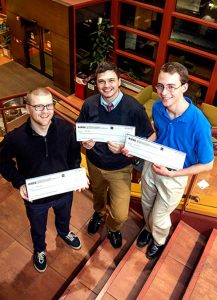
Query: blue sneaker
{"x": 72, "y": 240}
{"x": 40, "y": 261}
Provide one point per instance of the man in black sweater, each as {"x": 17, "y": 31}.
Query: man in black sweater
{"x": 109, "y": 169}
{"x": 41, "y": 146}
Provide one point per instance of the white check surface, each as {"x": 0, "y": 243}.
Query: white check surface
{"x": 56, "y": 183}
{"x": 155, "y": 153}
{"x": 103, "y": 132}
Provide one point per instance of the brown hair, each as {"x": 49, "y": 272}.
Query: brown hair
{"x": 175, "y": 67}
{"x": 107, "y": 66}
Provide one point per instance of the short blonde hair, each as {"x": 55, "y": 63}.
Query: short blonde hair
{"x": 40, "y": 91}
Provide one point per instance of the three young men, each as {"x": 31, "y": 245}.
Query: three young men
{"x": 47, "y": 145}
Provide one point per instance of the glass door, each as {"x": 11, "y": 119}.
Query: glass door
{"x": 47, "y": 52}
{"x": 39, "y": 48}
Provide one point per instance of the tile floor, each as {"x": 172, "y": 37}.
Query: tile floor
{"x": 19, "y": 279}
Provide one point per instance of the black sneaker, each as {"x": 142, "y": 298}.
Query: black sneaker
{"x": 72, "y": 240}
{"x": 115, "y": 239}
{"x": 94, "y": 223}
{"x": 154, "y": 250}
{"x": 40, "y": 261}
{"x": 143, "y": 238}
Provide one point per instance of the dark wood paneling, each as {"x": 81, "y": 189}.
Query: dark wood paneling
{"x": 62, "y": 76}
{"x": 15, "y": 26}
{"x": 60, "y": 48}
{"x": 48, "y": 14}
{"x": 3, "y": 6}
{"x": 17, "y": 51}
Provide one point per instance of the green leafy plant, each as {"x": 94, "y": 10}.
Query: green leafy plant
{"x": 6, "y": 40}
{"x": 103, "y": 42}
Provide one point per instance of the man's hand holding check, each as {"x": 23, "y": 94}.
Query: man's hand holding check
{"x": 54, "y": 184}
{"x": 162, "y": 157}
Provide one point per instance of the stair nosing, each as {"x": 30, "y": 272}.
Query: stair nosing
{"x": 116, "y": 271}
{"x": 200, "y": 265}
{"x": 88, "y": 262}
{"x": 160, "y": 261}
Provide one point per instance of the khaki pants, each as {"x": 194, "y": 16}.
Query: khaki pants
{"x": 160, "y": 197}
{"x": 117, "y": 183}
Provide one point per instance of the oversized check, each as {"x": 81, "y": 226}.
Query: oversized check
{"x": 156, "y": 153}
{"x": 56, "y": 183}
{"x": 103, "y": 132}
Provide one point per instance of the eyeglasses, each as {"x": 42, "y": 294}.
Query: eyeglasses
{"x": 170, "y": 88}
{"x": 41, "y": 107}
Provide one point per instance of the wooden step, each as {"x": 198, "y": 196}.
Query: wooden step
{"x": 67, "y": 110}
{"x": 203, "y": 281}
{"x": 99, "y": 268}
{"x": 171, "y": 274}
{"x": 129, "y": 276}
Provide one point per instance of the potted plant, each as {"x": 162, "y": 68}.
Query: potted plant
{"x": 102, "y": 48}
{"x": 6, "y": 44}
{"x": 103, "y": 42}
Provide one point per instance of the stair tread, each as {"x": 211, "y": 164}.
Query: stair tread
{"x": 103, "y": 262}
{"x": 188, "y": 243}
{"x": 132, "y": 276}
{"x": 203, "y": 282}
{"x": 108, "y": 297}
{"x": 68, "y": 111}
{"x": 80, "y": 291}
{"x": 174, "y": 268}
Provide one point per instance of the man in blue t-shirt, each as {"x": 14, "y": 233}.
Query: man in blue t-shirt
{"x": 179, "y": 124}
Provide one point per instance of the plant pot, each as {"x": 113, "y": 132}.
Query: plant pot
{"x": 91, "y": 88}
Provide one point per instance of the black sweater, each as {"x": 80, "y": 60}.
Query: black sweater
{"x": 128, "y": 112}
{"x": 38, "y": 155}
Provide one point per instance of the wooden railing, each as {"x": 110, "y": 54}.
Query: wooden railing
{"x": 13, "y": 96}
{"x": 10, "y": 125}
{"x": 136, "y": 193}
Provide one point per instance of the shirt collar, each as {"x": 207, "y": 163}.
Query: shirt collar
{"x": 31, "y": 131}
{"x": 184, "y": 117}
{"x": 115, "y": 102}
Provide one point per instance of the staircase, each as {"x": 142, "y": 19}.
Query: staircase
{"x": 203, "y": 281}
{"x": 185, "y": 270}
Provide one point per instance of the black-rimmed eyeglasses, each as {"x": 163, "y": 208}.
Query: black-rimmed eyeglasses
{"x": 170, "y": 88}
{"x": 41, "y": 107}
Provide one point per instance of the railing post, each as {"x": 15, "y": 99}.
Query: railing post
{"x": 187, "y": 195}
{"x": 4, "y": 121}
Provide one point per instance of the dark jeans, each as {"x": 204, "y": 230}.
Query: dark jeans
{"x": 37, "y": 215}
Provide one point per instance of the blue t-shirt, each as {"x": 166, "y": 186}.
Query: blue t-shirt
{"x": 190, "y": 133}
